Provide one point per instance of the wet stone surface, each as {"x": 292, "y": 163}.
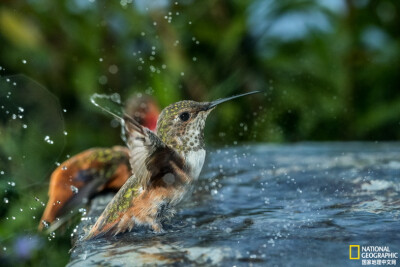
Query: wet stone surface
{"x": 291, "y": 205}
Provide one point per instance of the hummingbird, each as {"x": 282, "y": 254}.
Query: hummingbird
{"x": 164, "y": 165}
{"x": 94, "y": 170}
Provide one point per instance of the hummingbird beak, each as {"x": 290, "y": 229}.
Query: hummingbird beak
{"x": 222, "y": 100}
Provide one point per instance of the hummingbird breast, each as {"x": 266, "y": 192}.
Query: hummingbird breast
{"x": 194, "y": 160}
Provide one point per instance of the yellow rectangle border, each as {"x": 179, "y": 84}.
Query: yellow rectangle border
{"x": 358, "y": 252}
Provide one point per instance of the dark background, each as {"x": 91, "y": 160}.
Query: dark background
{"x": 329, "y": 71}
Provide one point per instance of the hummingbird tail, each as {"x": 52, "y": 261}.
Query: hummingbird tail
{"x": 104, "y": 227}
{"x": 127, "y": 210}
{"x": 98, "y": 230}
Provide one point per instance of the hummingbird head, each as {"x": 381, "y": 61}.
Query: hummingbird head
{"x": 181, "y": 125}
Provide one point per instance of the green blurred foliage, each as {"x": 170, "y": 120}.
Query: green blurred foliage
{"x": 328, "y": 72}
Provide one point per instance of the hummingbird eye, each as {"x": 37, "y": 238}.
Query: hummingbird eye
{"x": 184, "y": 116}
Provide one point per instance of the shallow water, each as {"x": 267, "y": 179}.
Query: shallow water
{"x": 291, "y": 205}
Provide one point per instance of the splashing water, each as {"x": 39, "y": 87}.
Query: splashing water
{"x": 74, "y": 189}
{"x": 108, "y": 103}
{"x": 31, "y": 139}
{"x": 267, "y": 205}
{"x": 112, "y": 105}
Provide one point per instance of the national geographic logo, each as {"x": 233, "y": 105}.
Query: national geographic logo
{"x": 351, "y": 252}
{"x": 373, "y": 255}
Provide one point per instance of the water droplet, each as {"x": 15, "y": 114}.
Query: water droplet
{"x": 101, "y": 59}
{"x": 24, "y": 61}
{"x": 5, "y": 200}
{"x": 116, "y": 98}
{"x": 48, "y": 140}
{"x": 45, "y": 224}
{"x": 182, "y": 74}
{"x": 83, "y": 211}
{"x": 74, "y": 189}
{"x": 113, "y": 69}
{"x": 103, "y": 80}
{"x": 65, "y": 133}
{"x": 64, "y": 168}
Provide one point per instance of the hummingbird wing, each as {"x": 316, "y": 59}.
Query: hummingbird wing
{"x": 151, "y": 159}
{"x": 83, "y": 176}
